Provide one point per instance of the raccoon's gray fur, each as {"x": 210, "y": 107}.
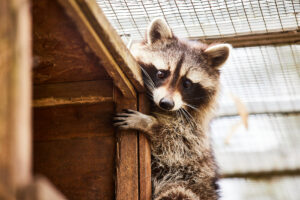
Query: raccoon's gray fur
{"x": 183, "y": 81}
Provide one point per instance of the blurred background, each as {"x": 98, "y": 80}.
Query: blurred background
{"x": 260, "y": 85}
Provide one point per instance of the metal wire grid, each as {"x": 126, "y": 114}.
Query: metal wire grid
{"x": 284, "y": 188}
{"x": 205, "y": 18}
{"x": 265, "y": 78}
{"x": 272, "y": 142}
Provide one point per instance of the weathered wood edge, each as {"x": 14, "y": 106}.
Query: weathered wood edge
{"x": 127, "y": 178}
{"x": 113, "y": 42}
{"x": 93, "y": 39}
{"x": 144, "y": 155}
{"x": 72, "y": 93}
{"x": 263, "y": 174}
{"x": 287, "y": 37}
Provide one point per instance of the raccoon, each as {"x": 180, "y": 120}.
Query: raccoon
{"x": 182, "y": 78}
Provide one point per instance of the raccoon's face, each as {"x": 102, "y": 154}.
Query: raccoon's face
{"x": 179, "y": 74}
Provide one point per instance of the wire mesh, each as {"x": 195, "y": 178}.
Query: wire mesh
{"x": 280, "y": 188}
{"x": 265, "y": 78}
{"x": 272, "y": 142}
{"x": 206, "y": 18}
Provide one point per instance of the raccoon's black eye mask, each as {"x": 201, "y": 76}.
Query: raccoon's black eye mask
{"x": 195, "y": 95}
{"x": 157, "y": 76}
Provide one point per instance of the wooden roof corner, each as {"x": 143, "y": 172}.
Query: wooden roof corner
{"x": 106, "y": 44}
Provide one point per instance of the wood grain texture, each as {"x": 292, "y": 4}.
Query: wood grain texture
{"x": 96, "y": 43}
{"x": 84, "y": 92}
{"x": 144, "y": 155}
{"x": 73, "y": 121}
{"x": 288, "y": 37}
{"x": 59, "y": 51}
{"x": 113, "y": 42}
{"x": 15, "y": 98}
{"x": 264, "y": 174}
{"x": 127, "y": 177}
{"x": 81, "y": 168}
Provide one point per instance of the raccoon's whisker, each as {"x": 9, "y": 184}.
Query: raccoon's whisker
{"x": 181, "y": 115}
{"x": 194, "y": 124}
{"x": 149, "y": 86}
{"x": 177, "y": 113}
{"x": 193, "y": 107}
{"x": 188, "y": 119}
{"x": 191, "y": 121}
{"x": 185, "y": 116}
{"x": 148, "y": 77}
{"x": 196, "y": 98}
{"x": 149, "y": 82}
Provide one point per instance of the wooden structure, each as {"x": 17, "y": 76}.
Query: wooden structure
{"x": 82, "y": 74}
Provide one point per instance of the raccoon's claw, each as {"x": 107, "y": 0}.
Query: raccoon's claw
{"x": 129, "y": 111}
{"x": 121, "y": 120}
{"x": 131, "y": 119}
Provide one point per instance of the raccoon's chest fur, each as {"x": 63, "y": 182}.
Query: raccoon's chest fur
{"x": 178, "y": 143}
{"x": 181, "y": 153}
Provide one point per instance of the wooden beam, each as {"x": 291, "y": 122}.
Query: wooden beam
{"x": 127, "y": 165}
{"x": 96, "y": 42}
{"x": 144, "y": 155}
{"x": 15, "y": 98}
{"x": 287, "y": 37}
{"x": 113, "y": 42}
{"x": 85, "y": 92}
{"x": 45, "y": 102}
{"x": 263, "y": 174}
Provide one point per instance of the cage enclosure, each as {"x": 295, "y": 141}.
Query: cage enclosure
{"x": 65, "y": 71}
{"x": 263, "y": 72}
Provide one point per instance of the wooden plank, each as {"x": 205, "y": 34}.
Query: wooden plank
{"x": 113, "y": 42}
{"x": 287, "y": 37}
{"x": 127, "y": 178}
{"x": 264, "y": 174}
{"x": 40, "y": 189}
{"x": 59, "y": 51}
{"x": 73, "y": 121}
{"x": 95, "y": 42}
{"x": 81, "y": 168}
{"x": 86, "y": 92}
{"x": 144, "y": 155}
{"x": 15, "y": 87}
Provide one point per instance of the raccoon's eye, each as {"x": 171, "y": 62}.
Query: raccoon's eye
{"x": 187, "y": 84}
{"x": 160, "y": 74}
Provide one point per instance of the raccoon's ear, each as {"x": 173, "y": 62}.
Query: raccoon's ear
{"x": 218, "y": 54}
{"x": 158, "y": 30}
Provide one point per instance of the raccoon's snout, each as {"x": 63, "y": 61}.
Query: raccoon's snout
{"x": 166, "y": 103}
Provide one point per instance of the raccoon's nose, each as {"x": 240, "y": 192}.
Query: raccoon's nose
{"x": 166, "y": 103}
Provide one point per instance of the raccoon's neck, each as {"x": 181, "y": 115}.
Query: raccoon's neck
{"x": 177, "y": 141}
{"x": 198, "y": 119}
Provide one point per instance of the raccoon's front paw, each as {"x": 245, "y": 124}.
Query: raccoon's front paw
{"x": 131, "y": 119}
